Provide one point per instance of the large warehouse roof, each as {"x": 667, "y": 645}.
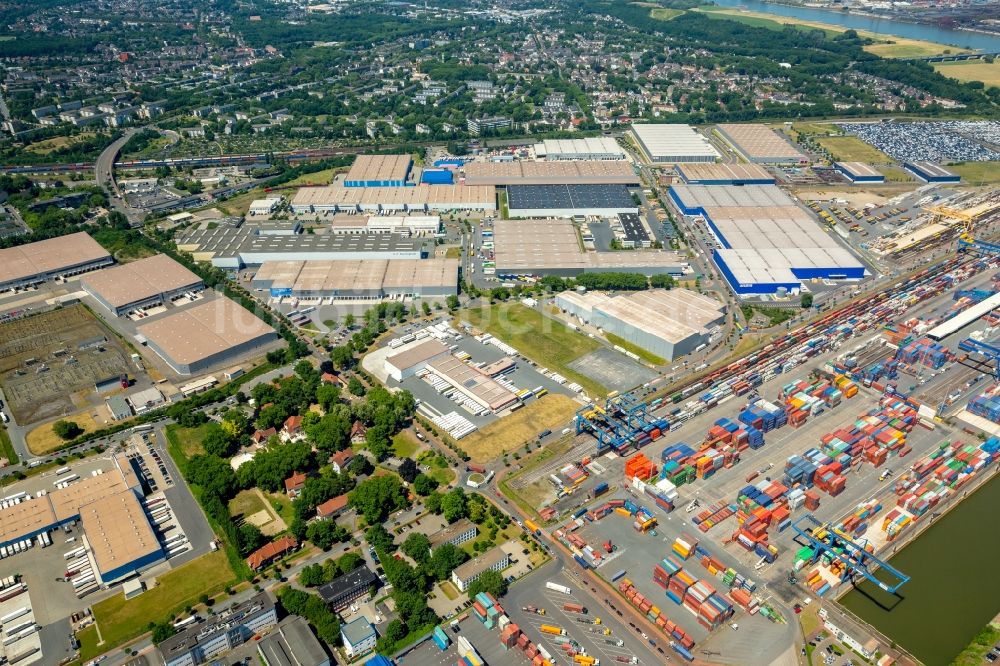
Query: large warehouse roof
{"x": 859, "y": 170}
{"x": 732, "y": 174}
{"x": 470, "y": 381}
{"x": 373, "y": 168}
{"x": 553, "y": 244}
{"x": 458, "y": 195}
{"x": 759, "y": 143}
{"x": 674, "y": 143}
{"x": 49, "y": 256}
{"x": 203, "y": 330}
{"x": 118, "y": 531}
{"x": 563, "y": 148}
{"x": 357, "y": 275}
{"x": 140, "y": 280}
{"x": 577, "y": 172}
{"x": 578, "y": 198}
{"x": 672, "y": 315}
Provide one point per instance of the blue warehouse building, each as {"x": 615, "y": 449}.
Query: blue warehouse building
{"x": 859, "y": 172}
{"x": 766, "y": 244}
{"x": 437, "y": 177}
{"x": 379, "y": 171}
{"x": 929, "y": 172}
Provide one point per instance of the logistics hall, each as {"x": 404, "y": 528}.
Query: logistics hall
{"x": 667, "y": 323}
{"x": 204, "y": 335}
{"x": 769, "y": 245}
{"x": 140, "y": 284}
{"x": 372, "y": 279}
{"x": 569, "y": 200}
{"x": 672, "y": 144}
{"x": 43, "y": 260}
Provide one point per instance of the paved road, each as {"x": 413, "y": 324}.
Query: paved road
{"x": 104, "y": 172}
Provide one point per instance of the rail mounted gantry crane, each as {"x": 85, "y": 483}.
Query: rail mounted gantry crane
{"x": 825, "y": 540}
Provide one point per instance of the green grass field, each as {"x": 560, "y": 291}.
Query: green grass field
{"x": 404, "y": 446}
{"x": 664, "y": 14}
{"x": 977, "y": 173}
{"x": 852, "y": 149}
{"x": 121, "y": 621}
{"x": 187, "y": 440}
{"x": 547, "y": 342}
{"x": 647, "y": 356}
{"x": 6, "y": 448}
{"x": 443, "y": 475}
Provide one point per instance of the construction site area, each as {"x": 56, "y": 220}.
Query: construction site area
{"x": 53, "y": 363}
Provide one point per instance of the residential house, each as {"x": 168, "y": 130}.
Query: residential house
{"x": 261, "y": 436}
{"x": 341, "y": 459}
{"x": 358, "y": 637}
{"x": 358, "y": 432}
{"x": 294, "y": 484}
{"x": 332, "y": 508}
{"x": 263, "y": 556}
{"x": 292, "y": 431}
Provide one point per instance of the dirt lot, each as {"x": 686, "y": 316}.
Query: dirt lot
{"x": 47, "y": 358}
{"x": 511, "y": 432}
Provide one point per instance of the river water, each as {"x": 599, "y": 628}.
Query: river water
{"x": 954, "y": 589}
{"x": 971, "y": 40}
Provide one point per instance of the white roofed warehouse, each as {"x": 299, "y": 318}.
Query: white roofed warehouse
{"x": 205, "y": 335}
{"x": 673, "y": 144}
{"x": 593, "y": 148}
{"x": 667, "y": 323}
{"x": 139, "y": 284}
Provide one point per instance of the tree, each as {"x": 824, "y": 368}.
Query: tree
{"x": 444, "y": 560}
{"x": 67, "y": 430}
{"x": 360, "y": 466}
{"x": 251, "y": 538}
{"x": 452, "y": 302}
{"x": 408, "y": 470}
{"x": 380, "y": 539}
{"x": 327, "y": 395}
{"x": 314, "y": 610}
{"x": 417, "y": 546}
{"x": 377, "y": 497}
{"x": 488, "y": 581}
{"x": 349, "y": 321}
{"x": 271, "y": 416}
{"x": 162, "y": 631}
{"x": 325, "y": 533}
{"x": 313, "y": 576}
{"x": 433, "y": 502}
{"x": 218, "y": 442}
{"x": 424, "y": 485}
{"x": 342, "y": 357}
{"x": 355, "y": 386}
{"x": 806, "y": 300}
{"x": 453, "y": 505}
{"x": 379, "y": 442}
{"x": 212, "y": 474}
{"x": 331, "y": 433}
{"x": 349, "y": 561}
{"x": 394, "y": 632}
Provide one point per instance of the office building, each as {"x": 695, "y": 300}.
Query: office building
{"x": 341, "y": 591}
{"x": 456, "y": 534}
{"x": 358, "y": 637}
{"x": 225, "y": 631}
{"x": 495, "y": 559}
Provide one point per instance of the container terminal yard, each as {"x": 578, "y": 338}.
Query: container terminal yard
{"x": 776, "y": 481}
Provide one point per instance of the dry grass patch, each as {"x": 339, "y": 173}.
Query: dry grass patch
{"x": 852, "y": 149}
{"x": 42, "y": 440}
{"x": 515, "y": 430}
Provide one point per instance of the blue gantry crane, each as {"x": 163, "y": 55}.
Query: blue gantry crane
{"x": 824, "y": 540}
{"x": 969, "y": 244}
{"x": 623, "y": 421}
{"x": 990, "y": 351}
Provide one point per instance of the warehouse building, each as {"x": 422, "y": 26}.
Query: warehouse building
{"x": 667, "y": 323}
{"x": 379, "y": 171}
{"x": 767, "y": 243}
{"x": 292, "y": 644}
{"x": 44, "y": 260}
{"x": 552, "y": 247}
{"x": 224, "y": 631}
{"x": 929, "y": 172}
{"x": 859, "y": 172}
{"x": 117, "y": 533}
{"x": 724, "y": 174}
{"x": 425, "y": 198}
{"x": 205, "y": 335}
{"x": 593, "y": 148}
{"x": 569, "y": 200}
{"x": 495, "y": 559}
{"x": 591, "y": 172}
{"x": 235, "y": 248}
{"x": 373, "y": 279}
{"x": 672, "y": 144}
{"x": 140, "y": 284}
{"x": 760, "y": 144}
{"x": 431, "y": 356}
{"x": 405, "y": 225}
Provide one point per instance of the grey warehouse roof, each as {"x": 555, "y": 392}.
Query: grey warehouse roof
{"x": 562, "y": 197}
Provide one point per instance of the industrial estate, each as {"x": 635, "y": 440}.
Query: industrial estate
{"x": 494, "y": 335}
